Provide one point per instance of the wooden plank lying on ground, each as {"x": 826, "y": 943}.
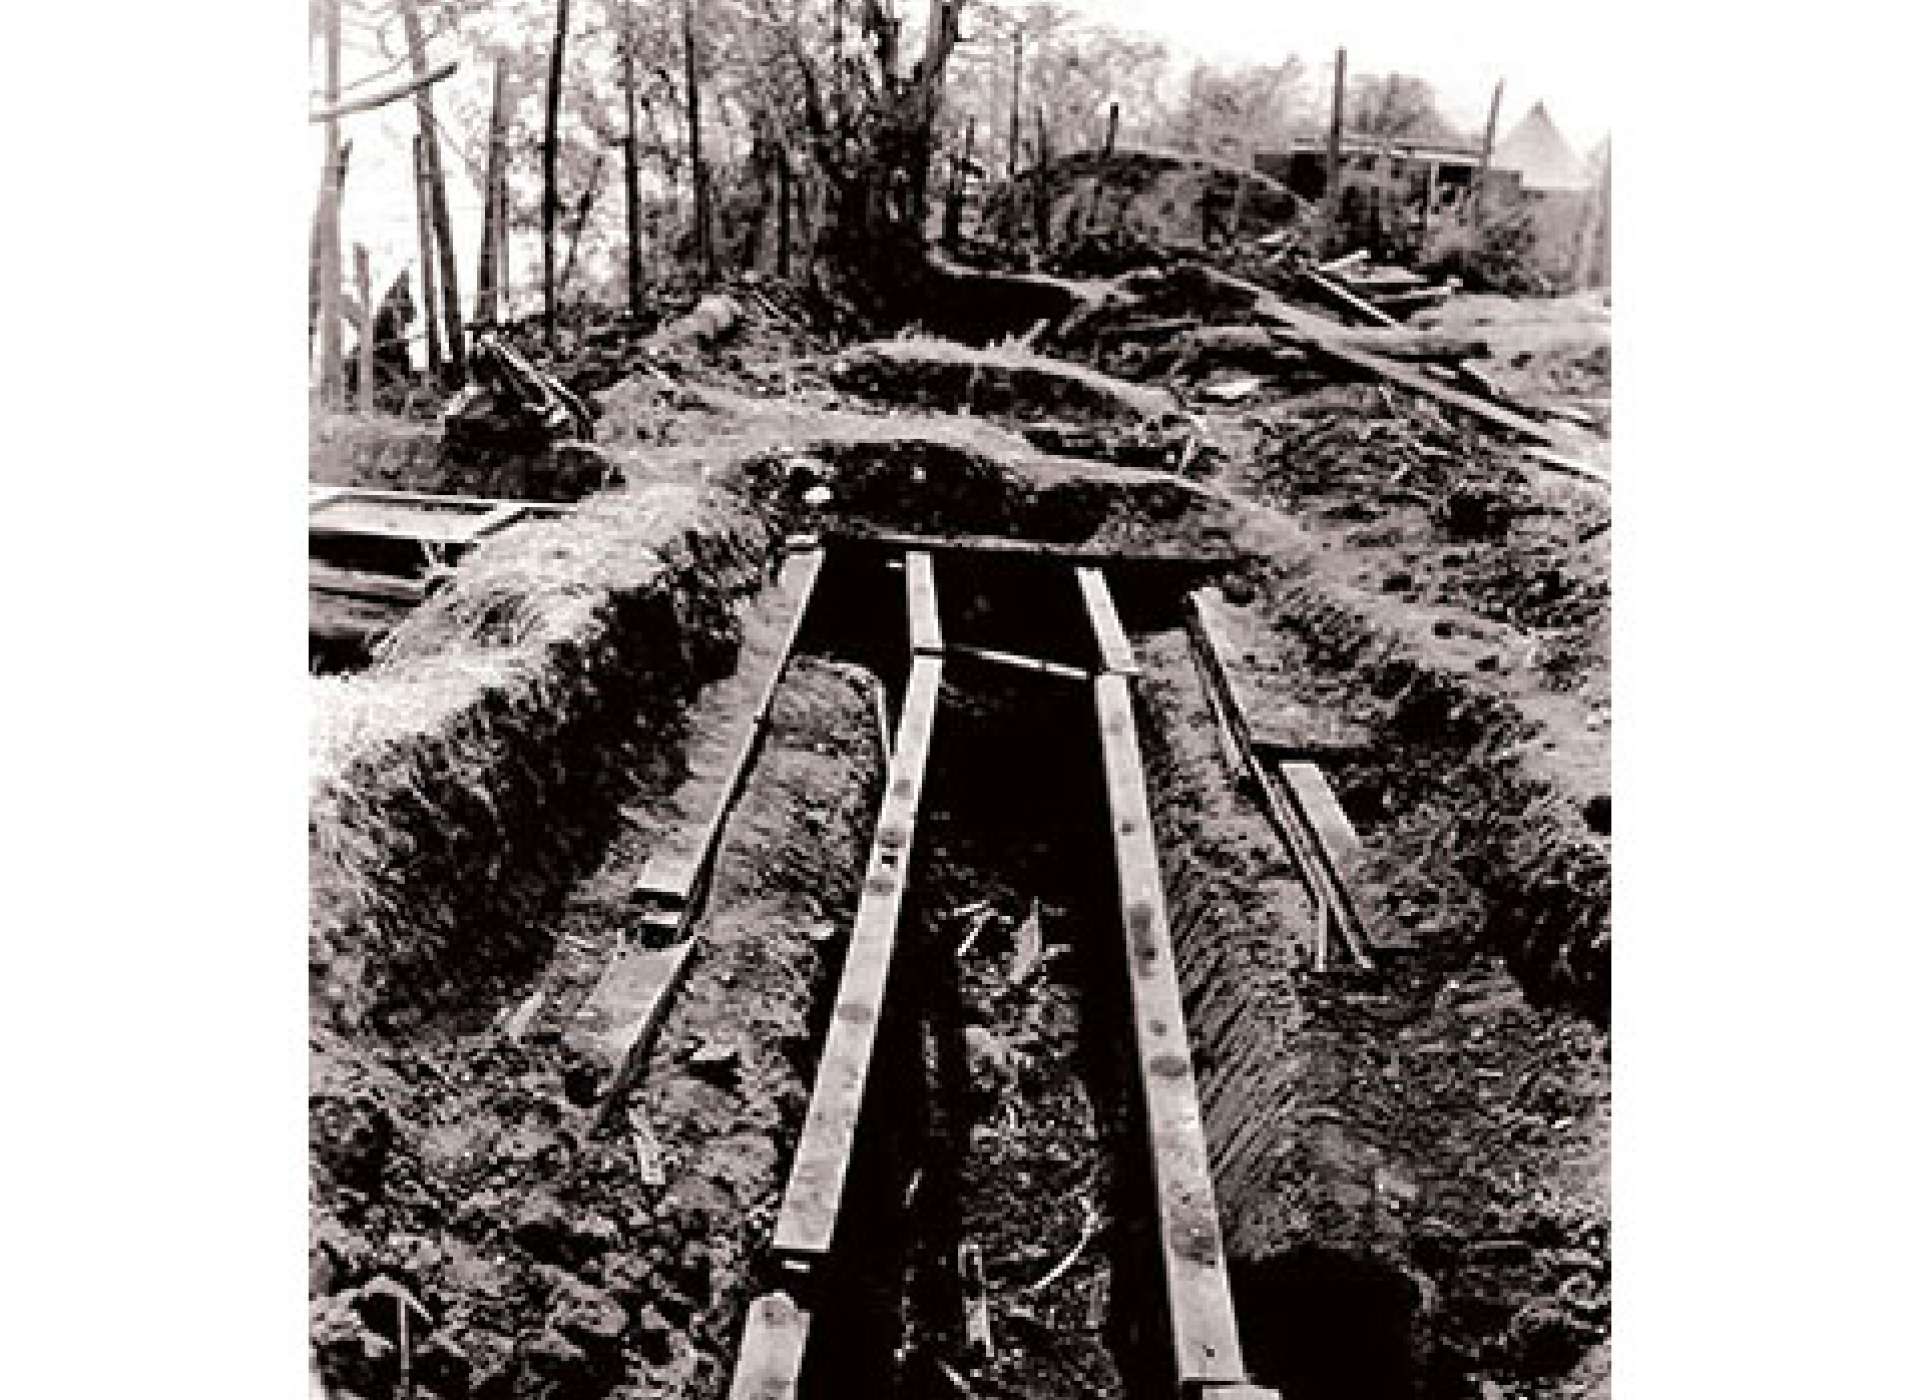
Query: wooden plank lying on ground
{"x": 772, "y": 1349}
{"x": 1109, "y": 556}
{"x": 616, "y": 1023}
{"x": 1205, "y": 1332}
{"x": 499, "y": 518}
{"x": 1324, "y": 336}
{"x": 1358, "y": 306}
{"x": 676, "y": 871}
{"x": 1116, "y": 652}
{"x": 1343, "y": 262}
{"x": 1326, "y": 824}
{"x": 923, "y": 605}
{"x": 810, "y": 1211}
{"x": 352, "y": 583}
{"x": 1572, "y": 466}
{"x": 1015, "y": 661}
{"x": 435, "y": 501}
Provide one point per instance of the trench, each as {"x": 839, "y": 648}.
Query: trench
{"x": 1004, "y": 1123}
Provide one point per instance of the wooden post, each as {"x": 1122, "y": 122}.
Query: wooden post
{"x": 437, "y": 184}
{"x": 363, "y": 286}
{"x": 332, "y": 372}
{"x": 633, "y": 169}
{"x": 1486, "y": 153}
{"x": 549, "y": 191}
{"x": 337, "y": 174}
{"x": 1333, "y": 148}
{"x": 486, "y": 300}
{"x": 702, "y": 250}
{"x": 428, "y": 287}
{"x": 503, "y": 282}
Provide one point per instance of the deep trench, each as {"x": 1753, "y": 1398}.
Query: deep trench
{"x": 1004, "y": 1114}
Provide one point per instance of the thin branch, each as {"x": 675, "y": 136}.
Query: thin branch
{"x": 381, "y": 99}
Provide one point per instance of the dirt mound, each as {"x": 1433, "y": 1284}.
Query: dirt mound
{"x": 460, "y": 780}
{"x": 1159, "y": 197}
{"x": 457, "y": 1170}
{"x": 1006, "y": 380}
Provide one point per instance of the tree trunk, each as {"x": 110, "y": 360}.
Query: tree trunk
{"x": 633, "y": 171}
{"x": 702, "y": 233}
{"x": 550, "y": 167}
{"x": 332, "y": 373}
{"x": 957, "y": 193}
{"x": 337, "y": 172}
{"x": 363, "y": 287}
{"x": 784, "y": 172}
{"x": 437, "y": 184}
{"x": 428, "y": 287}
{"x": 1042, "y": 191}
{"x": 1013, "y": 149}
{"x": 486, "y": 298}
{"x": 580, "y": 221}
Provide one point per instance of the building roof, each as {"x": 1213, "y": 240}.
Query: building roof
{"x": 1540, "y": 154}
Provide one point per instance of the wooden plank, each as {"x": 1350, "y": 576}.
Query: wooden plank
{"x": 1105, "y": 555}
{"x": 499, "y": 518}
{"x": 1345, "y": 299}
{"x": 923, "y": 604}
{"x": 675, "y": 874}
{"x": 1341, "y": 850}
{"x": 352, "y": 583}
{"x": 1015, "y": 661}
{"x": 1572, "y": 466}
{"x": 616, "y": 1024}
{"x": 443, "y": 529}
{"x": 810, "y": 1211}
{"x": 772, "y": 1350}
{"x": 1208, "y": 634}
{"x": 318, "y": 496}
{"x": 1205, "y": 1334}
{"x": 1116, "y": 652}
{"x": 434, "y": 500}
{"x": 1343, "y": 262}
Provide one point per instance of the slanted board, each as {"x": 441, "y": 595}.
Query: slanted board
{"x": 1205, "y": 1333}
{"x": 923, "y": 605}
{"x": 772, "y": 1350}
{"x": 1106, "y": 555}
{"x": 1116, "y": 652}
{"x": 1209, "y": 642}
{"x": 625, "y": 1007}
{"x": 675, "y": 871}
{"x": 499, "y": 518}
{"x": 1340, "y": 296}
{"x": 1331, "y": 843}
{"x": 810, "y": 1211}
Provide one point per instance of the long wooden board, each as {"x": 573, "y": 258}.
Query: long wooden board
{"x": 1205, "y": 1333}
{"x": 810, "y": 1211}
{"x": 772, "y": 1349}
{"x": 1116, "y": 652}
{"x": 923, "y": 605}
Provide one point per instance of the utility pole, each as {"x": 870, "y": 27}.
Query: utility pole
{"x": 1486, "y": 153}
{"x": 1332, "y": 214}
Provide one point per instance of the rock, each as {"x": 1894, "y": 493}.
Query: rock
{"x": 543, "y": 1230}
{"x": 589, "y": 1318}
{"x": 351, "y": 1137}
{"x": 349, "y": 1354}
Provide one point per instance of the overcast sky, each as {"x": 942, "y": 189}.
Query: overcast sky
{"x": 1463, "y": 49}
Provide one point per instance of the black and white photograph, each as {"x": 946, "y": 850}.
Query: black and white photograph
{"x": 960, "y": 709}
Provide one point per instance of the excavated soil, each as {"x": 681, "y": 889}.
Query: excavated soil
{"x": 1411, "y": 1166}
{"x": 454, "y": 1166}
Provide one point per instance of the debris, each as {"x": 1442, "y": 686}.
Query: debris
{"x": 981, "y": 921}
{"x": 520, "y": 1021}
{"x": 646, "y": 1147}
{"x": 1229, "y": 390}
{"x": 715, "y": 1060}
{"x": 973, "y": 1297}
{"x": 1090, "y": 1226}
{"x": 1027, "y": 944}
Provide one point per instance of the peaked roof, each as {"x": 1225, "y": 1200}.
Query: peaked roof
{"x": 1541, "y": 154}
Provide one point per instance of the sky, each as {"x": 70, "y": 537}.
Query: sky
{"x": 1463, "y": 49}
